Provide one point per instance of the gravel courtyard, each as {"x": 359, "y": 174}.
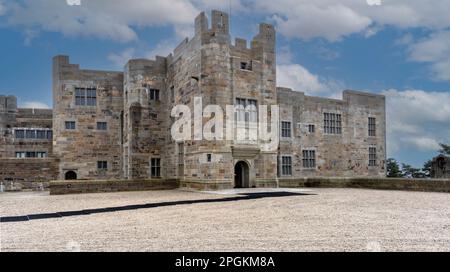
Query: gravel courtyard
{"x": 325, "y": 220}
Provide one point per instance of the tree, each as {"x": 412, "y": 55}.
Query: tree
{"x": 427, "y": 168}
{"x": 393, "y": 169}
{"x": 445, "y": 149}
{"x": 411, "y": 172}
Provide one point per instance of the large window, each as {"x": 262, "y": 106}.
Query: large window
{"x": 286, "y": 130}
{"x": 286, "y": 166}
{"x": 309, "y": 159}
{"x": 31, "y": 154}
{"x": 40, "y": 134}
{"x": 372, "y": 127}
{"x": 246, "y": 119}
{"x": 86, "y": 97}
{"x": 247, "y": 110}
{"x": 332, "y": 123}
{"x": 372, "y": 156}
{"x": 156, "y": 168}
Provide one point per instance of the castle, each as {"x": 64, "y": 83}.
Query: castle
{"x": 117, "y": 125}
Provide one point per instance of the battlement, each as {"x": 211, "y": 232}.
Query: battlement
{"x": 8, "y": 104}
{"x": 220, "y": 23}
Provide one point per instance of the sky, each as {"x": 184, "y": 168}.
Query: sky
{"x": 399, "y": 48}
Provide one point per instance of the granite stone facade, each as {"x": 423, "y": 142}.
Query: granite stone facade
{"x": 440, "y": 167}
{"x": 117, "y": 125}
{"x": 26, "y": 149}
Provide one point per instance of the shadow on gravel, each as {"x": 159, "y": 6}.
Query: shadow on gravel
{"x": 246, "y": 196}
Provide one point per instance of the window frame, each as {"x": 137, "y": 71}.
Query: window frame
{"x": 102, "y": 165}
{"x": 21, "y": 132}
{"x": 372, "y": 127}
{"x": 286, "y": 165}
{"x": 332, "y": 123}
{"x": 154, "y": 94}
{"x": 309, "y": 159}
{"x": 85, "y": 97}
{"x": 373, "y": 156}
{"x": 102, "y": 126}
{"x": 288, "y": 130}
{"x": 66, "y": 127}
{"x": 155, "y": 168}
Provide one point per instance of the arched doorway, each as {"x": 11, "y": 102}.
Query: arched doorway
{"x": 241, "y": 175}
{"x": 71, "y": 175}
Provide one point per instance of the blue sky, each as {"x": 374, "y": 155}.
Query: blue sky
{"x": 400, "y": 48}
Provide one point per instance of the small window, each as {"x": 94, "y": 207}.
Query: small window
{"x": 21, "y": 155}
{"x": 153, "y": 115}
{"x": 102, "y": 126}
{"x": 372, "y": 127}
{"x": 286, "y": 129}
{"x": 49, "y": 134}
{"x": 154, "y": 94}
{"x": 312, "y": 129}
{"x": 41, "y": 155}
{"x": 30, "y": 134}
{"x": 31, "y": 154}
{"x": 372, "y": 156}
{"x": 41, "y": 134}
{"x": 309, "y": 159}
{"x": 172, "y": 94}
{"x": 181, "y": 159}
{"x": 246, "y": 66}
{"x": 70, "y": 125}
{"x": 102, "y": 165}
{"x": 20, "y": 134}
{"x": 209, "y": 157}
{"x": 286, "y": 166}
{"x": 156, "y": 168}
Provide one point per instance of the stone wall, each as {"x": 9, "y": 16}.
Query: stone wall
{"x": 220, "y": 72}
{"x": 80, "y": 149}
{"x": 345, "y": 154}
{"x": 27, "y": 174}
{"x": 109, "y": 186}
{"x": 421, "y": 185}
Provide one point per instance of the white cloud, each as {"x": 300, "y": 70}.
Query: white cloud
{"x": 120, "y": 59}
{"x": 300, "y": 79}
{"x": 163, "y": 48}
{"x": 2, "y": 8}
{"x": 309, "y": 21}
{"x": 435, "y": 50}
{"x": 417, "y": 120}
{"x": 334, "y": 19}
{"x": 112, "y": 19}
{"x": 34, "y": 105}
